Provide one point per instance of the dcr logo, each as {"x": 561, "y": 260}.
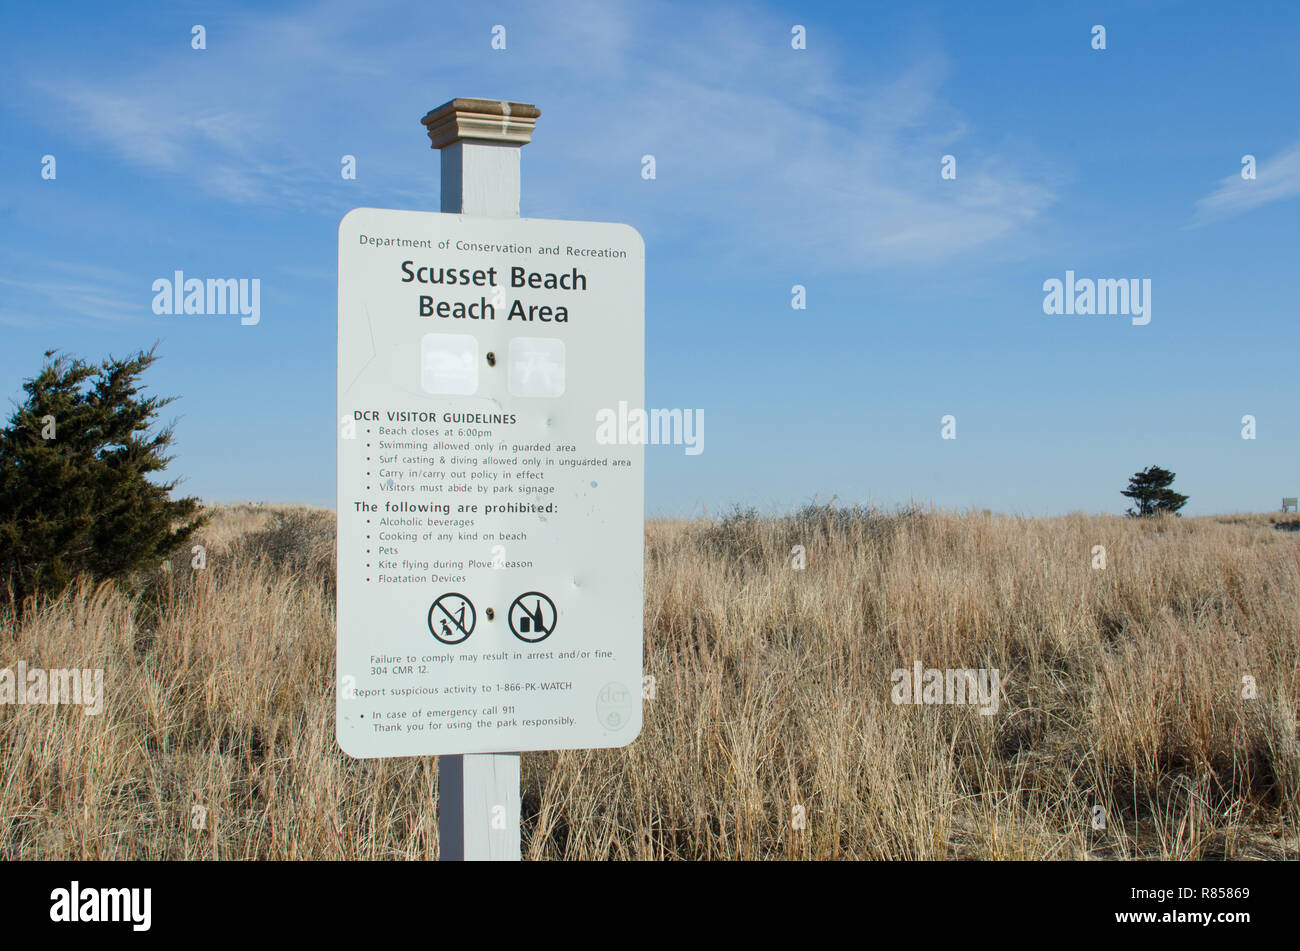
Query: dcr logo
{"x": 614, "y": 706}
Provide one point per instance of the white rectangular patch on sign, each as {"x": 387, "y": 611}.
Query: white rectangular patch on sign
{"x": 490, "y": 548}
{"x": 449, "y": 364}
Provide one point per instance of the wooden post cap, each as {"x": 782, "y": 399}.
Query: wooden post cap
{"x": 481, "y": 120}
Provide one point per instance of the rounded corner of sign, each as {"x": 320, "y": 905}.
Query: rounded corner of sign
{"x": 632, "y": 737}
{"x": 338, "y": 738}
{"x": 348, "y": 214}
{"x": 636, "y": 234}
{"x": 640, "y": 726}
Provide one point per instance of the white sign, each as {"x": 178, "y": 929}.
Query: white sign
{"x": 489, "y": 546}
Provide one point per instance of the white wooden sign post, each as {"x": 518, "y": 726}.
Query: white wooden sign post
{"x": 490, "y": 488}
{"x": 479, "y": 177}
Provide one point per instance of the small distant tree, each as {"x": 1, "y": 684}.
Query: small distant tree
{"x": 74, "y": 489}
{"x": 1150, "y": 490}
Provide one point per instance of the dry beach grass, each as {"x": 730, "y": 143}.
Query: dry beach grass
{"x": 1122, "y": 688}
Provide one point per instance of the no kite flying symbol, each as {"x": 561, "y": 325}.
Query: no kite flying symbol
{"x": 451, "y": 618}
{"x": 532, "y": 617}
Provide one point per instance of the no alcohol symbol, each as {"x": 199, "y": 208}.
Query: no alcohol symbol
{"x": 532, "y": 617}
{"x": 451, "y": 618}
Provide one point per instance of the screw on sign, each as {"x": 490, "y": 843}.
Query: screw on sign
{"x": 452, "y": 618}
{"x": 533, "y": 617}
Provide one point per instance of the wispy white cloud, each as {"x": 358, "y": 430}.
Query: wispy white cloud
{"x": 246, "y": 119}
{"x": 762, "y": 149}
{"x": 90, "y": 292}
{"x": 1276, "y": 179}
{"x": 775, "y": 157}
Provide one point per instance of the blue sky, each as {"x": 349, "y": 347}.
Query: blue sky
{"x": 775, "y": 167}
